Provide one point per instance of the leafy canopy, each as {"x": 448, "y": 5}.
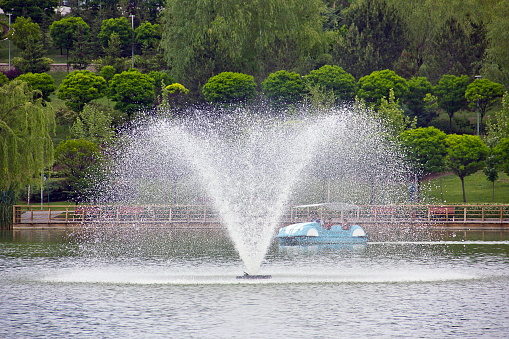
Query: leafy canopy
{"x": 283, "y": 86}
{"x": 81, "y": 87}
{"x": 335, "y": 79}
{"x": 229, "y": 86}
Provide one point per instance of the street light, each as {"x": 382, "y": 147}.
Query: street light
{"x": 9, "y": 14}
{"x": 477, "y": 96}
{"x": 132, "y": 53}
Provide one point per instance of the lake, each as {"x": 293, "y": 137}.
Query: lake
{"x": 182, "y": 284}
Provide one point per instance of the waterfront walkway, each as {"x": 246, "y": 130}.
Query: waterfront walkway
{"x": 204, "y": 216}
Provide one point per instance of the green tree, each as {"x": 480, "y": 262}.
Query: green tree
{"x": 93, "y": 124}
{"x": 36, "y": 10}
{"x": 374, "y": 40}
{"x": 42, "y": 82}
{"x": 283, "y": 87}
{"x": 498, "y": 128}
{"x": 66, "y": 32}
{"x": 132, "y": 91}
{"x": 119, "y": 26}
{"x": 466, "y": 154}
{"x": 32, "y": 59}
{"x": 425, "y": 149}
{"x": 81, "y": 87}
{"x": 418, "y": 88}
{"x": 484, "y": 93}
{"x": 148, "y": 36}
{"x": 24, "y": 32}
{"x": 450, "y": 92}
{"x": 229, "y": 86}
{"x": 491, "y": 172}
{"x": 256, "y": 37}
{"x": 26, "y": 126}
{"x": 76, "y": 160}
{"x": 335, "y": 79}
{"x": 161, "y": 80}
{"x": 378, "y": 84}
{"x": 496, "y": 63}
{"x": 393, "y": 117}
{"x": 502, "y": 153}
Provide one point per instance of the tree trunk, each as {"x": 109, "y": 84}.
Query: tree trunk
{"x": 463, "y": 187}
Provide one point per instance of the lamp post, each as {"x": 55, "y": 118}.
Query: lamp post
{"x": 9, "y": 14}
{"x": 477, "y": 110}
{"x": 132, "y": 52}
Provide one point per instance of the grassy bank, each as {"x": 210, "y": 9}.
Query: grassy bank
{"x": 477, "y": 189}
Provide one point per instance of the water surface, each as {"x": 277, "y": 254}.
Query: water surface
{"x": 183, "y": 284}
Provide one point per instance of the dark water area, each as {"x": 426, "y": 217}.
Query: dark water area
{"x": 161, "y": 284}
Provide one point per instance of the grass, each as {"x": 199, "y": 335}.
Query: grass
{"x": 478, "y": 189}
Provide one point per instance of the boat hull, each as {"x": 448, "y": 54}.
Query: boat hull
{"x": 312, "y": 233}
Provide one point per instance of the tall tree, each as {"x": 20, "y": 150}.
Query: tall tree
{"x": 451, "y": 94}
{"x": 255, "y": 37}
{"x": 483, "y": 93}
{"x": 25, "y": 134}
{"x": 37, "y": 10}
{"x": 67, "y": 31}
{"x": 418, "y": 88}
{"x": 375, "y": 38}
{"x": 465, "y": 156}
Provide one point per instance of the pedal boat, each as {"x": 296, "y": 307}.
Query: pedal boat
{"x": 312, "y": 233}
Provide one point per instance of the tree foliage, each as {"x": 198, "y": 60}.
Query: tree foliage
{"x": 132, "y": 91}
{"x": 26, "y": 126}
{"x": 42, "y": 82}
{"x": 36, "y": 10}
{"x": 484, "y": 93}
{"x": 498, "y": 128}
{"x": 465, "y": 156}
{"x": 451, "y": 94}
{"x": 418, "y": 88}
{"x": 256, "y": 37}
{"x": 377, "y": 85}
{"x": 392, "y": 115}
{"x": 93, "y": 124}
{"x": 81, "y": 87}
{"x": 283, "y": 86}
{"x": 229, "y": 86}
{"x": 335, "y": 79}
{"x": 374, "y": 40}
{"x": 66, "y": 31}
{"x": 24, "y": 32}
{"x": 119, "y": 26}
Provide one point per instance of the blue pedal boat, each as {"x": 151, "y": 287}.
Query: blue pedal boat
{"x": 312, "y": 233}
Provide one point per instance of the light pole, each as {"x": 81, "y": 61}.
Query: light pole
{"x": 132, "y": 53}
{"x": 477, "y": 110}
{"x": 9, "y": 14}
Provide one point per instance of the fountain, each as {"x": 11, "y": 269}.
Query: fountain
{"x": 250, "y": 165}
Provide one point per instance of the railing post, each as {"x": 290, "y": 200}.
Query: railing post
{"x": 49, "y": 214}
{"x": 464, "y": 214}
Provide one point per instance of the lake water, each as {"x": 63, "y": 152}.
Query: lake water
{"x": 164, "y": 284}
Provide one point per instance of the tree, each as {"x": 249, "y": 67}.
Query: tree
{"x": 502, "y": 152}
{"x": 26, "y": 125}
{"x": 378, "y": 84}
{"x": 229, "y": 86}
{"x": 491, "y": 172}
{"x": 93, "y": 124}
{"x": 418, "y": 88}
{"x": 119, "y": 26}
{"x": 132, "y": 91}
{"x": 498, "y": 128}
{"x": 81, "y": 87}
{"x": 484, "y": 93}
{"x": 425, "y": 149}
{"x": 392, "y": 116}
{"x": 451, "y": 94}
{"x": 333, "y": 78}
{"x": 24, "y": 32}
{"x": 66, "y": 32}
{"x": 42, "y": 82}
{"x": 32, "y": 59}
{"x": 466, "y": 154}
{"x": 36, "y": 10}
{"x": 256, "y": 37}
{"x": 148, "y": 35}
{"x": 374, "y": 40}
{"x": 76, "y": 159}
{"x": 283, "y": 87}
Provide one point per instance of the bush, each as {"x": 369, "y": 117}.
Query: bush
{"x": 229, "y": 86}
{"x": 283, "y": 86}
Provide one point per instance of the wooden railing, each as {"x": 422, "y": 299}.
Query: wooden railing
{"x": 430, "y": 214}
